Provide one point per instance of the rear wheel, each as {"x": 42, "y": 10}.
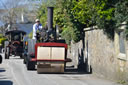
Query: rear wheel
{"x": 7, "y": 53}
{"x": 21, "y": 56}
{"x": 24, "y": 61}
{"x": 30, "y": 65}
{"x": 6, "y": 43}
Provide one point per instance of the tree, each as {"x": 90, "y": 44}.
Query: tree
{"x": 74, "y": 15}
{"x": 10, "y": 6}
{"x": 14, "y": 10}
{"x": 121, "y": 14}
{"x": 42, "y": 11}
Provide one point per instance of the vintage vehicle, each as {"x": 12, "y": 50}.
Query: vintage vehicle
{"x": 49, "y": 53}
{"x": 14, "y": 45}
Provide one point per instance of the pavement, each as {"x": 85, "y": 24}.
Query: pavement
{"x": 14, "y": 72}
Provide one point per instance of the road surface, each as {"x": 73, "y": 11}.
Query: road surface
{"x": 14, "y": 72}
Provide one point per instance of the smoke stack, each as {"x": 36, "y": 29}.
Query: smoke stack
{"x": 50, "y": 18}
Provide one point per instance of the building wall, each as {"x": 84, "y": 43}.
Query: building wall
{"x": 98, "y": 53}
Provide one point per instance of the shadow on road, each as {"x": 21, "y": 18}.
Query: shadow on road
{"x": 2, "y": 70}
{"x": 69, "y": 70}
{"x": 6, "y": 82}
{"x": 2, "y": 78}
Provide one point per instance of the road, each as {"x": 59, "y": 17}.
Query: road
{"x": 14, "y": 72}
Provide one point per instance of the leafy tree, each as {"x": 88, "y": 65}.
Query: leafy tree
{"x": 121, "y": 14}
{"x": 42, "y": 13}
{"x": 69, "y": 25}
{"x": 74, "y": 15}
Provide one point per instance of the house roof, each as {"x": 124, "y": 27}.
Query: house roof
{"x": 25, "y": 27}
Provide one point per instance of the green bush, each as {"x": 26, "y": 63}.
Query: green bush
{"x": 2, "y": 39}
{"x": 66, "y": 34}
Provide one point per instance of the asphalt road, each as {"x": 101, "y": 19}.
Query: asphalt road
{"x": 14, "y": 72}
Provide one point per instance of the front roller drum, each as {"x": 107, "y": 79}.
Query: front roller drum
{"x": 50, "y": 68}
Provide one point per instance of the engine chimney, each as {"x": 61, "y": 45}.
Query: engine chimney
{"x": 50, "y": 18}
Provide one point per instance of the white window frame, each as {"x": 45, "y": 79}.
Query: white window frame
{"x": 120, "y": 55}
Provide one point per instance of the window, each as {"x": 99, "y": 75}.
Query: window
{"x": 122, "y": 42}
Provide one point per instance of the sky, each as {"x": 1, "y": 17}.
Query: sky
{"x": 21, "y": 2}
{"x": 1, "y": 6}
{"x": 1, "y": 23}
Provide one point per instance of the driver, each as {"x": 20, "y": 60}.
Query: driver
{"x": 36, "y": 28}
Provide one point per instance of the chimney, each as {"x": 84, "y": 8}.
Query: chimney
{"x": 50, "y": 18}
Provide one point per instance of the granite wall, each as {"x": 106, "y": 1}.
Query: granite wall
{"x": 98, "y": 54}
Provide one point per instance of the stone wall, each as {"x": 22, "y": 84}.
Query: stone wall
{"x": 98, "y": 54}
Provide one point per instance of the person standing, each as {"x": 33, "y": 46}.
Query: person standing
{"x": 36, "y": 28}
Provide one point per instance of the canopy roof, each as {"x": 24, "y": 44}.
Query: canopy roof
{"x": 15, "y": 32}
